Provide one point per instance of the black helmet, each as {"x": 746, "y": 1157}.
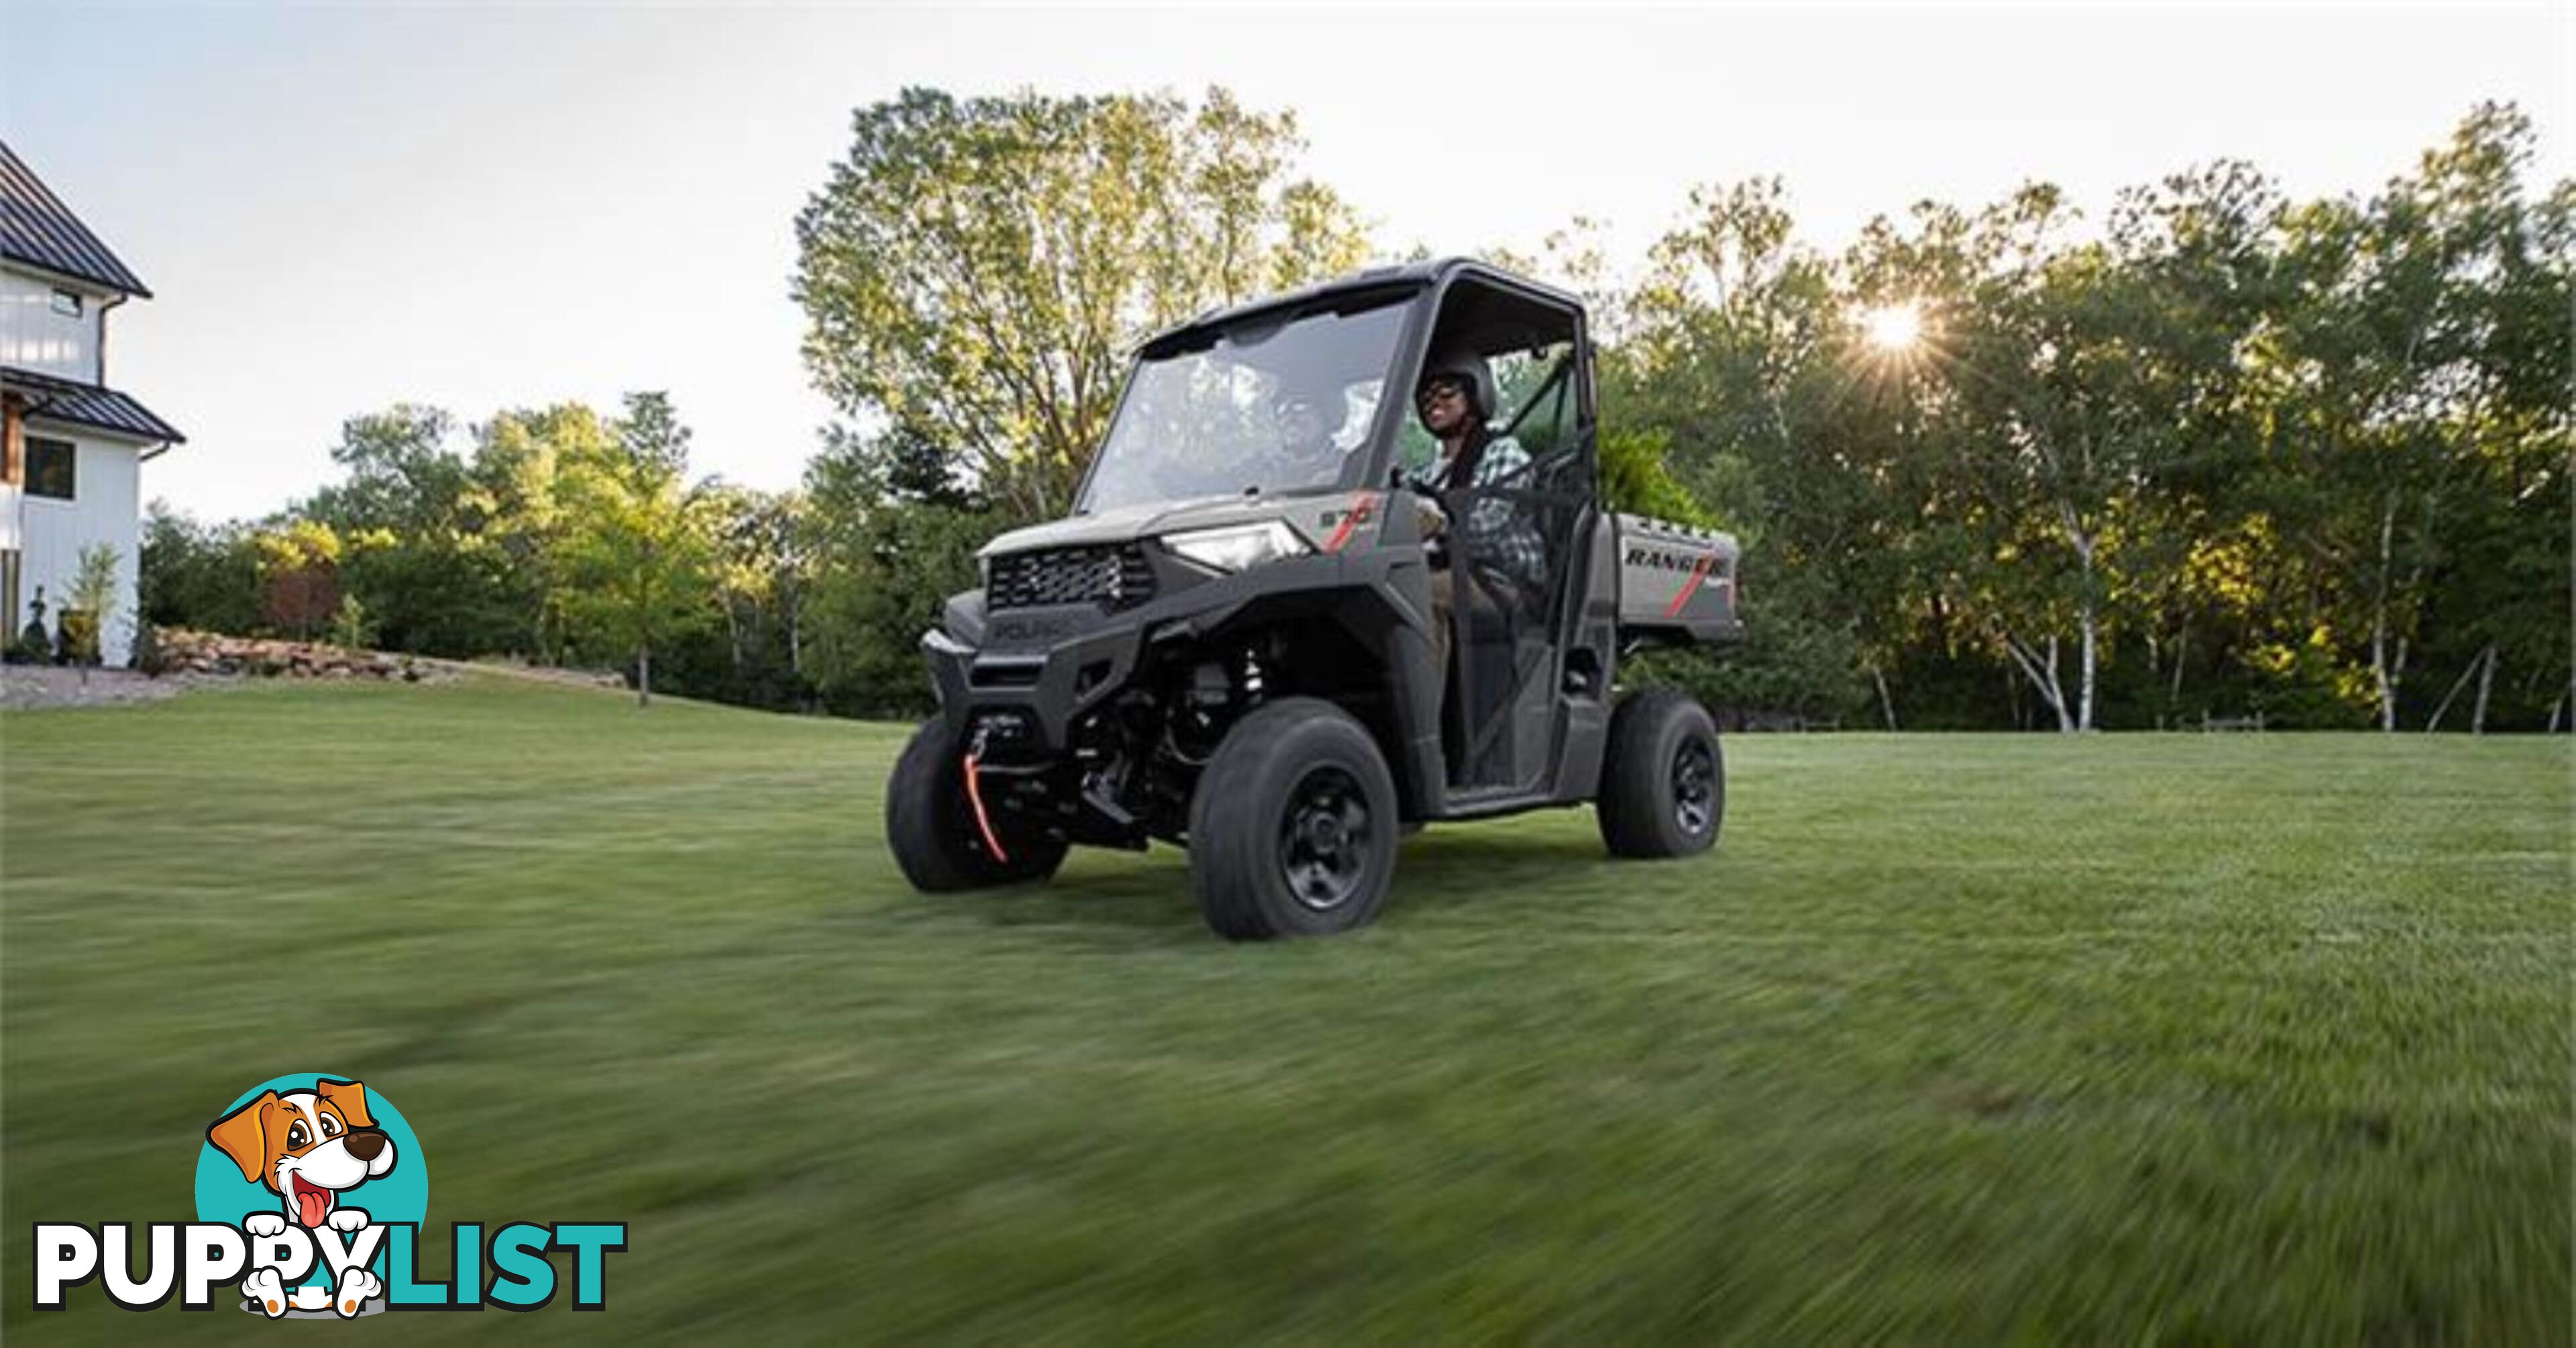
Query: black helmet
{"x": 1466, "y": 367}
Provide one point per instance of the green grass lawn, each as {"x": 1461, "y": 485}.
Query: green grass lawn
{"x": 2225, "y": 1038}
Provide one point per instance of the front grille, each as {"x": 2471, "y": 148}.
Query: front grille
{"x": 1115, "y": 577}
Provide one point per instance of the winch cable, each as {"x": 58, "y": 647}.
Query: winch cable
{"x": 983, "y": 822}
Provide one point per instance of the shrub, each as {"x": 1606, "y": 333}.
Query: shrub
{"x": 76, "y": 637}
{"x": 148, "y": 656}
{"x": 351, "y": 627}
{"x": 91, "y": 605}
{"x": 33, "y": 646}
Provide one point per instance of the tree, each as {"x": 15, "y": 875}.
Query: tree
{"x": 973, "y": 270}
{"x": 299, "y": 570}
{"x": 2200, "y": 249}
{"x": 891, "y": 542}
{"x": 196, "y": 575}
{"x": 637, "y": 545}
{"x": 399, "y": 471}
{"x": 2284, "y": 450}
{"x": 517, "y": 513}
{"x": 89, "y": 605}
{"x": 1737, "y": 347}
{"x": 763, "y": 572}
{"x": 2040, "y": 410}
{"x": 426, "y": 580}
{"x": 2416, "y": 375}
{"x": 2508, "y": 592}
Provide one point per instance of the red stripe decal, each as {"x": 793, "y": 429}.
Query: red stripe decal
{"x": 984, "y": 825}
{"x": 1691, "y": 586}
{"x": 1361, "y": 510}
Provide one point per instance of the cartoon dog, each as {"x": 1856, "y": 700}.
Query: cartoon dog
{"x": 308, "y": 1147}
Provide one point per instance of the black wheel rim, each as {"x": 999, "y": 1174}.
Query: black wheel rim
{"x": 1325, "y": 836}
{"x": 1694, "y": 786}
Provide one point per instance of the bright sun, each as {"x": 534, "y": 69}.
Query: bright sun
{"x": 1894, "y": 327}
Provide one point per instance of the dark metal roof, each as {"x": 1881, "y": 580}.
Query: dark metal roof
{"x": 38, "y": 229}
{"x": 1394, "y": 278}
{"x": 88, "y": 405}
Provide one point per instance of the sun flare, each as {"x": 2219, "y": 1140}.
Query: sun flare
{"x": 1893, "y": 327}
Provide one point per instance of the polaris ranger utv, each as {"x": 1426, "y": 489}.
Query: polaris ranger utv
{"x": 1231, "y": 644}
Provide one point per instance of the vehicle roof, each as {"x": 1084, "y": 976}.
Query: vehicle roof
{"x": 1398, "y": 276}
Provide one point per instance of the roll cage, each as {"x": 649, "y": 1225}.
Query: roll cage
{"x": 1453, "y": 300}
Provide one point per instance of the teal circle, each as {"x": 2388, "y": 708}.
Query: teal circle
{"x": 402, "y": 1195}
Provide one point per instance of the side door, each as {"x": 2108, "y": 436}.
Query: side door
{"x": 1518, "y": 547}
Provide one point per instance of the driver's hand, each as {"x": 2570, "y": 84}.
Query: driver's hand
{"x": 1429, "y": 516}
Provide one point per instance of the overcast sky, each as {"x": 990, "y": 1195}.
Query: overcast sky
{"x": 481, "y": 208}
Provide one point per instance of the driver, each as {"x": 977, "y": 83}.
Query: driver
{"x": 1309, "y": 417}
{"x": 1454, "y": 400}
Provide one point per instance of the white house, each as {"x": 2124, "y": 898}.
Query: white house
{"x": 72, "y": 467}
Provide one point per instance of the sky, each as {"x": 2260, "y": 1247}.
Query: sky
{"x": 480, "y": 207}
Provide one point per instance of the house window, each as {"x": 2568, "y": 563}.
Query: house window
{"x": 49, "y": 468}
{"x": 67, "y": 303}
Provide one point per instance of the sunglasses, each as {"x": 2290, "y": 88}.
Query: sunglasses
{"x": 1440, "y": 391}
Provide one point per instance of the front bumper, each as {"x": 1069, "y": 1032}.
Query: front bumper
{"x": 1022, "y": 700}
{"x": 1023, "y": 677}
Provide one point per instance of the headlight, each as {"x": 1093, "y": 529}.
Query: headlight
{"x": 1237, "y": 546}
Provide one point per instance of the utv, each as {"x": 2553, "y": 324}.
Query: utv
{"x": 1231, "y": 643}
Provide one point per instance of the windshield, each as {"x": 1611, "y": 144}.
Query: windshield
{"x": 1267, "y": 406}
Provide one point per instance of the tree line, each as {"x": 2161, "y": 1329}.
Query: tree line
{"x": 2211, "y": 453}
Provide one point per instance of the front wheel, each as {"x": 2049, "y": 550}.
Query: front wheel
{"x": 1663, "y": 780}
{"x": 930, "y": 824}
{"x": 1293, "y": 825}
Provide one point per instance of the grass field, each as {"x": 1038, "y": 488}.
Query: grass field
{"x": 1954, "y": 1038}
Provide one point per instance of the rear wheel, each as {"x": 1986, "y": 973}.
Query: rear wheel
{"x": 1663, "y": 779}
{"x": 1293, "y": 825}
{"x": 931, "y": 825}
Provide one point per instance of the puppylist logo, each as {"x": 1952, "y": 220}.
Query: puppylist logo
{"x": 311, "y": 1196}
